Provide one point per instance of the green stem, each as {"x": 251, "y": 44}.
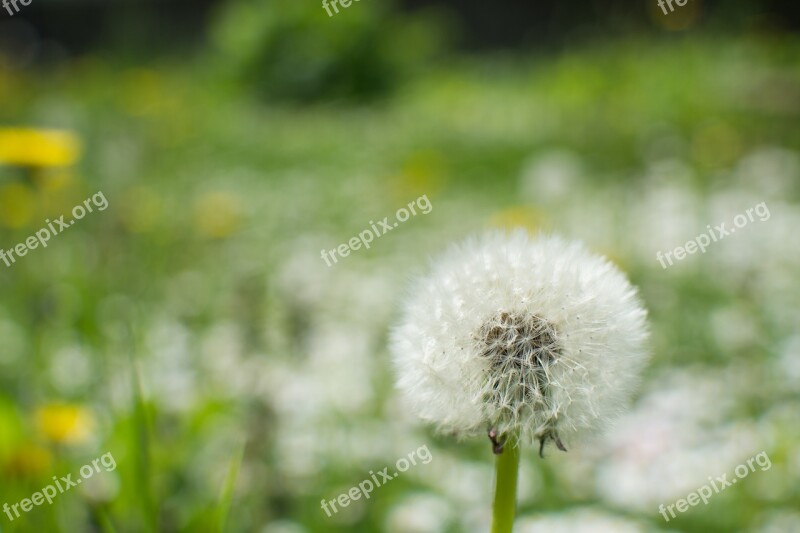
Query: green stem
{"x": 505, "y": 493}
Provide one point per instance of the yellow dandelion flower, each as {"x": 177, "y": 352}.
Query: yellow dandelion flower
{"x": 27, "y": 147}
{"x": 65, "y": 423}
{"x": 29, "y": 460}
{"x": 217, "y": 214}
{"x": 424, "y": 172}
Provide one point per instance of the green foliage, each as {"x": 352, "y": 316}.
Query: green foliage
{"x": 285, "y": 49}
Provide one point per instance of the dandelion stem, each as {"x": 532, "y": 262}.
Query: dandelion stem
{"x": 505, "y": 493}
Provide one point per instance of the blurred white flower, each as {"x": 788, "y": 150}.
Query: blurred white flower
{"x": 551, "y": 176}
{"x": 788, "y": 367}
{"x": 678, "y": 435}
{"x": 780, "y": 521}
{"x": 70, "y": 368}
{"x": 578, "y": 521}
{"x": 776, "y": 170}
{"x": 662, "y": 217}
{"x": 419, "y": 513}
{"x": 168, "y": 374}
{"x": 461, "y": 481}
{"x": 283, "y": 526}
{"x": 734, "y": 327}
{"x": 102, "y": 487}
{"x": 536, "y": 336}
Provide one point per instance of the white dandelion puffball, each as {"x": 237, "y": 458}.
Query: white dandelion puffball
{"x": 524, "y": 336}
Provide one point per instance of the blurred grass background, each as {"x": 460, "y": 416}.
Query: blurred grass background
{"x": 193, "y": 330}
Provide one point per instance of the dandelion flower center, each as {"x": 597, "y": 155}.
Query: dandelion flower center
{"x": 522, "y": 343}
{"x": 520, "y": 348}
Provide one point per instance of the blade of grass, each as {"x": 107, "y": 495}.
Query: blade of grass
{"x": 104, "y": 520}
{"x": 141, "y": 442}
{"x": 227, "y": 489}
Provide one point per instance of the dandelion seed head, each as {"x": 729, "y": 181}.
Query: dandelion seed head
{"x": 520, "y": 334}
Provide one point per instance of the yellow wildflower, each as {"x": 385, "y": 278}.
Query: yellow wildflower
{"x": 65, "y": 423}
{"x": 217, "y": 214}
{"x": 29, "y": 459}
{"x": 27, "y": 147}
